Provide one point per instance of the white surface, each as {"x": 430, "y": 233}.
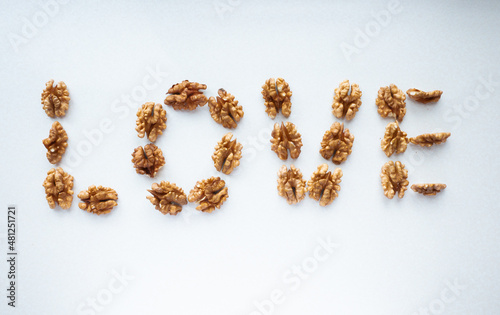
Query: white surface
{"x": 394, "y": 256}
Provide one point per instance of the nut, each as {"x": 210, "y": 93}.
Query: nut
{"x": 225, "y": 109}
{"x": 391, "y": 102}
{"x": 291, "y": 186}
{"x": 151, "y": 120}
{"x": 337, "y": 143}
{"x": 429, "y": 139}
{"x": 286, "y": 138}
{"x": 56, "y": 143}
{"x": 167, "y": 197}
{"x": 148, "y": 160}
{"x": 324, "y": 185}
{"x": 428, "y": 189}
{"x": 98, "y": 200}
{"x": 55, "y": 99}
{"x": 227, "y": 154}
{"x": 346, "y": 104}
{"x": 277, "y": 94}
{"x": 395, "y": 140}
{"x": 394, "y": 179}
{"x": 58, "y": 188}
{"x": 186, "y": 95}
{"x": 424, "y": 97}
{"x": 209, "y": 194}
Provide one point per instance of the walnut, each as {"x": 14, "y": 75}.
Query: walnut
{"x": 167, "y": 197}
{"x": 337, "y": 143}
{"x": 391, "y": 102}
{"x": 429, "y": 139}
{"x": 227, "y": 154}
{"x": 151, "y": 120}
{"x": 428, "y": 189}
{"x": 225, "y": 109}
{"x": 186, "y": 95}
{"x": 277, "y": 94}
{"x": 56, "y": 143}
{"x": 286, "y": 138}
{"x": 395, "y": 140}
{"x": 291, "y": 186}
{"x": 209, "y": 194}
{"x": 424, "y": 97}
{"x": 98, "y": 200}
{"x": 346, "y": 104}
{"x": 58, "y": 188}
{"x": 394, "y": 179}
{"x": 55, "y": 99}
{"x": 324, "y": 185}
{"x": 148, "y": 160}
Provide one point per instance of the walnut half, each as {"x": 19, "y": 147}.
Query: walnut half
{"x": 346, "y": 104}
{"x": 209, "y": 194}
{"x": 151, "y": 120}
{"x": 424, "y": 97}
{"x": 58, "y": 188}
{"x": 291, "y": 186}
{"x": 428, "y": 189}
{"x": 227, "y": 154}
{"x": 337, "y": 143}
{"x": 148, "y": 160}
{"x": 391, "y": 102}
{"x": 395, "y": 140}
{"x": 225, "y": 109}
{"x": 285, "y": 137}
{"x": 55, "y": 99}
{"x": 167, "y": 197}
{"x": 394, "y": 179}
{"x": 98, "y": 200}
{"x": 56, "y": 143}
{"x": 186, "y": 95}
{"x": 324, "y": 185}
{"x": 430, "y": 139}
{"x": 277, "y": 94}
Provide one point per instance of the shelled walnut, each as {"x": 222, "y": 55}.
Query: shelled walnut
{"x": 291, "y": 186}
{"x": 186, "y": 95}
{"x": 346, "y": 104}
{"x": 151, "y": 120}
{"x": 285, "y": 137}
{"x": 428, "y": 189}
{"x": 209, "y": 194}
{"x": 277, "y": 94}
{"x": 148, "y": 160}
{"x": 424, "y": 97}
{"x": 167, "y": 197}
{"x": 324, "y": 185}
{"x": 391, "y": 102}
{"x": 58, "y": 188}
{"x": 337, "y": 143}
{"x": 98, "y": 200}
{"x": 227, "y": 154}
{"x": 429, "y": 139}
{"x": 56, "y": 143}
{"x": 55, "y": 99}
{"x": 394, "y": 179}
{"x": 225, "y": 109}
{"x": 395, "y": 140}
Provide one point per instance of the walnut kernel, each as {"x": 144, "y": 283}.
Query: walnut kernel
{"x": 291, "y": 186}
{"x": 58, "y": 188}
{"x": 151, "y": 120}
{"x": 167, "y": 197}
{"x": 98, "y": 200}
{"x": 394, "y": 179}
{"x": 395, "y": 140}
{"x": 55, "y": 99}
{"x": 324, "y": 185}
{"x": 209, "y": 194}
{"x": 429, "y": 139}
{"x": 337, "y": 143}
{"x": 225, "y": 109}
{"x": 277, "y": 94}
{"x": 428, "y": 189}
{"x": 285, "y": 137}
{"x": 346, "y": 104}
{"x": 424, "y": 97}
{"x": 148, "y": 160}
{"x": 186, "y": 95}
{"x": 56, "y": 143}
{"x": 391, "y": 102}
{"x": 227, "y": 154}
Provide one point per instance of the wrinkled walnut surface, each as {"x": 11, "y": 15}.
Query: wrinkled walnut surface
{"x": 394, "y": 179}
{"x": 186, "y": 95}
{"x": 55, "y": 99}
{"x": 346, "y": 104}
{"x": 167, "y": 197}
{"x": 277, "y": 94}
{"x": 148, "y": 160}
{"x": 98, "y": 200}
{"x": 428, "y": 189}
{"x": 227, "y": 154}
{"x": 225, "y": 109}
{"x": 324, "y": 185}
{"x": 151, "y": 120}
{"x": 395, "y": 140}
{"x": 285, "y": 137}
{"x": 291, "y": 186}
{"x": 429, "y": 139}
{"x": 209, "y": 194}
{"x": 337, "y": 143}
{"x": 56, "y": 143}
{"x": 58, "y": 188}
{"x": 424, "y": 97}
{"x": 391, "y": 102}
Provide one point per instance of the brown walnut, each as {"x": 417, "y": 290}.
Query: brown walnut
{"x": 394, "y": 179}
{"x": 285, "y": 137}
{"x": 56, "y": 143}
{"x": 424, "y": 97}
{"x": 148, "y": 160}
{"x": 167, "y": 197}
{"x": 337, "y": 143}
{"x": 227, "y": 154}
{"x": 395, "y": 140}
{"x": 428, "y": 189}
{"x": 186, "y": 95}
{"x": 98, "y": 200}
{"x": 151, "y": 120}
{"x": 324, "y": 185}
{"x": 55, "y": 99}
{"x": 291, "y": 186}
{"x": 429, "y": 139}
{"x": 58, "y": 188}
{"x": 209, "y": 194}
{"x": 277, "y": 94}
{"x": 391, "y": 102}
{"x": 346, "y": 104}
{"x": 225, "y": 109}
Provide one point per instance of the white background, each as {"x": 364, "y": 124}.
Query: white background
{"x": 393, "y": 256}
